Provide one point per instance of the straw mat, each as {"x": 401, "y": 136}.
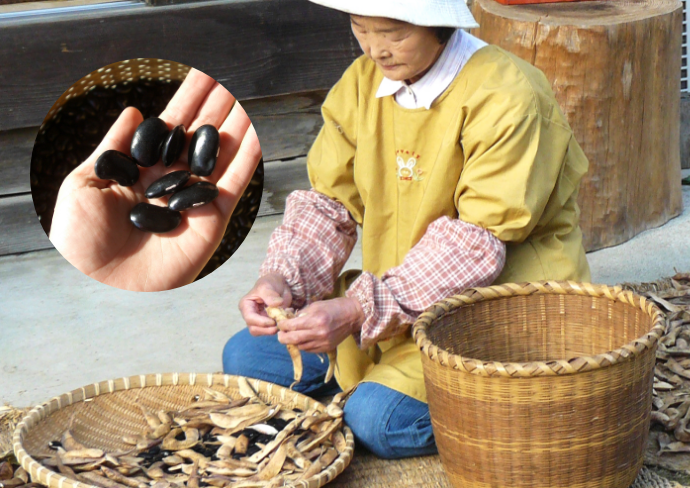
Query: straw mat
{"x": 367, "y": 471}
{"x": 9, "y": 418}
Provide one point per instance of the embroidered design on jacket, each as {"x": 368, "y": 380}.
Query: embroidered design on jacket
{"x": 406, "y": 169}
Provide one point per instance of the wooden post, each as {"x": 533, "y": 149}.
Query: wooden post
{"x": 614, "y": 66}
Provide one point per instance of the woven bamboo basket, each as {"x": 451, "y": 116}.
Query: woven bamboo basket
{"x": 540, "y": 384}
{"x": 99, "y": 415}
{"x": 128, "y": 70}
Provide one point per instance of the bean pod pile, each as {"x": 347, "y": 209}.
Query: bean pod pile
{"x": 216, "y": 441}
{"x": 74, "y": 132}
{"x": 15, "y": 478}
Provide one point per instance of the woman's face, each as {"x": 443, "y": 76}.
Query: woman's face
{"x": 402, "y": 51}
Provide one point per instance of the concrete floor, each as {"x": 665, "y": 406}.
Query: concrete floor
{"x": 60, "y": 330}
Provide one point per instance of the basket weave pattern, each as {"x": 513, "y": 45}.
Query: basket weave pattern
{"x": 99, "y": 415}
{"x": 127, "y": 70}
{"x": 561, "y": 396}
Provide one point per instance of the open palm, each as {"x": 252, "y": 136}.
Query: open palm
{"x": 91, "y": 226}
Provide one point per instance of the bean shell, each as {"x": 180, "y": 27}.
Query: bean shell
{"x": 264, "y": 429}
{"x": 172, "y": 145}
{"x": 167, "y": 184}
{"x": 152, "y": 218}
{"x": 147, "y": 140}
{"x": 6, "y": 471}
{"x": 117, "y": 166}
{"x": 194, "y": 195}
{"x": 203, "y": 150}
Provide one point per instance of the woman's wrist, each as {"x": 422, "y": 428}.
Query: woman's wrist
{"x": 358, "y": 316}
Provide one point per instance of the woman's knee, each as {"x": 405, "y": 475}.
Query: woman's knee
{"x": 235, "y": 353}
{"x": 365, "y": 423}
{"x": 388, "y": 423}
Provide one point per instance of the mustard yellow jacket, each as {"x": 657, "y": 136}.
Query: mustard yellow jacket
{"x": 493, "y": 150}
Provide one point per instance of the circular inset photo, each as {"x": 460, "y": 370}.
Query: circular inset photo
{"x": 146, "y": 174}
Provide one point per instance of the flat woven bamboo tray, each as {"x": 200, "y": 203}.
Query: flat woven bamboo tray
{"x": 540, "y": 384}
{"x": 99, "y": 415}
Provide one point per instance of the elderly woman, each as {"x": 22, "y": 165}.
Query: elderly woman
{"x": 456, "y": 162}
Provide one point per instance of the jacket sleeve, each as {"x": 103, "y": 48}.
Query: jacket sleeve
{"x": 451, "y": 256}
{"x": 311, "y": 246}
{"x": 319, "y": 227}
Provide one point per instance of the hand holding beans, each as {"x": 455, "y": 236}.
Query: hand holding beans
{"x": 92, "y": 228}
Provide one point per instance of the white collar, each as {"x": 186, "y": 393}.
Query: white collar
{"x": 460, "y": 47}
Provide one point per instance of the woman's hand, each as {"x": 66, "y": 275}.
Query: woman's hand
{"x": 91, "y": 226}
{"x": 270, "y": 290}
{"x": 323, "y": 325}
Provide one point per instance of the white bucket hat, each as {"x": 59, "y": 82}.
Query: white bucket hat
{"x": 428, "y": 13}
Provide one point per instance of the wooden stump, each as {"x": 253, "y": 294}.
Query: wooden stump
{"x": 615, "y": 69}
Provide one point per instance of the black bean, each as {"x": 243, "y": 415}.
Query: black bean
{"x": 173, "y": 145}
{"x": 278, "y": 424}
{"x": 117, "y": 166}
{"x": 194, "y": 195}
{"x": 167, "y": 184}
{"x": 88, "y": 129}
{"x": 250, "y": 434}
{"x": 156, "y": 219}
{"x": 203, "y": 150}
{"x": 62, "y": 142}
{"x": 302, "y": 437}
{"x": 123, "y": 88}
{"x": 253, "y": 449}
{"x": 197, "y": 447}
{"x": 99, "y": 93}
{"x": 147, "y": 140}
{"x": 67, "y": 127}
{"x": 92, "y": 114}
{"x": 124, "y": 101}
{"x": 53, "y": 132}
{"x": 264, "y": 438}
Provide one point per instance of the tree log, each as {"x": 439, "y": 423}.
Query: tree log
{"x": 615, "y": 69}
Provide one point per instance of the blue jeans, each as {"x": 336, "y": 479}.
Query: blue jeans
{"x": 388, "y": 423}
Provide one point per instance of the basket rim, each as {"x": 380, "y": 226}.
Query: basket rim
{"x": 529, "y": 369}
{"x": 42, "y": 411}
{"x": 77, "y": 88}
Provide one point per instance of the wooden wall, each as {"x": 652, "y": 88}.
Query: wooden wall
{"x": 279, "y": 57}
